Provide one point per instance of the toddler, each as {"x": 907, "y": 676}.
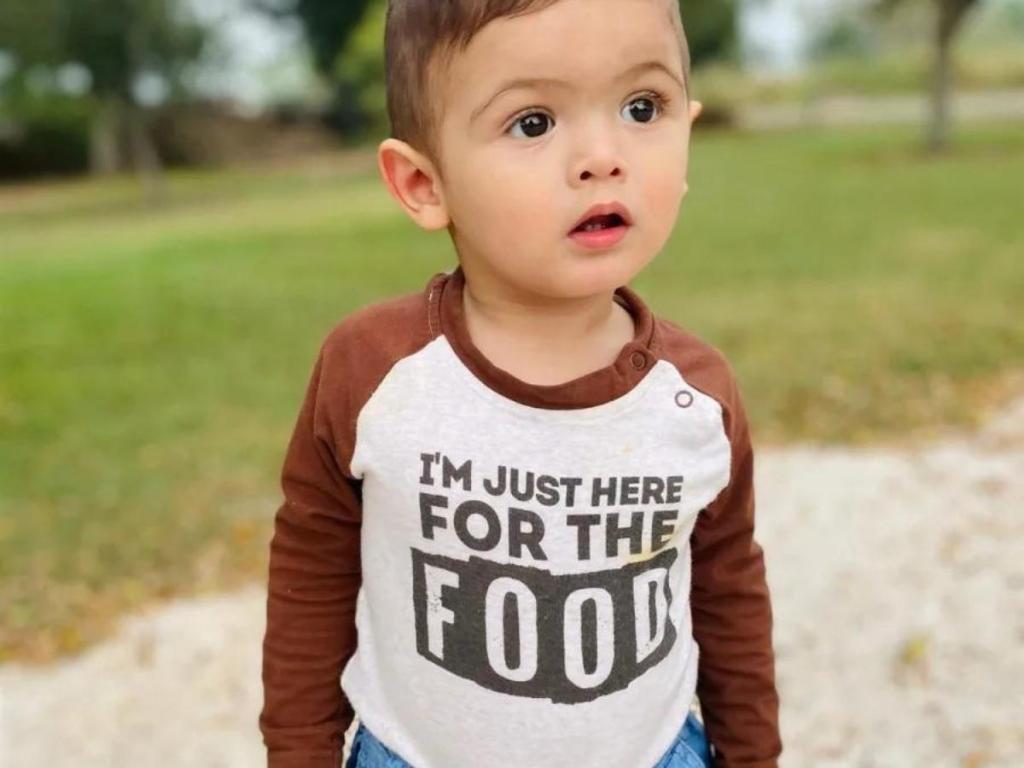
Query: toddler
{"x": 518, "y": 517}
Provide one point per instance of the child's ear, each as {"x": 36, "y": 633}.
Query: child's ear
{"x": 412, "y": 180}
{"x": 695, "y": 109}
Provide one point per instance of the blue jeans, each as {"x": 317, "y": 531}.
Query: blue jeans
{"x": 690, "y": 749}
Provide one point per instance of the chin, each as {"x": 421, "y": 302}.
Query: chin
{"x": 597, "y": 273}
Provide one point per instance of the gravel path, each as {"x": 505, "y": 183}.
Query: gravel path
{"x": 898, "y": 585}
{"x": 990, "y": 105}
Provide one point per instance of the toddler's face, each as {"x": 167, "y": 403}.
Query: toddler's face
{"x": 520, "y": 166}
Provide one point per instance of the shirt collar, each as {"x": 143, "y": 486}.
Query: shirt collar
{"x": 634, "y": 360}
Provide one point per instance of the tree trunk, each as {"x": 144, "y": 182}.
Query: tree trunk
{"x": 144, "y": 157}
{"x": 105, "y": 138}
{"x": 950, "y": 15}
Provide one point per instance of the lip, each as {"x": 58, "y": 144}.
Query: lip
{"x": 602, "y": 239}
{"x": 604, "y": 209}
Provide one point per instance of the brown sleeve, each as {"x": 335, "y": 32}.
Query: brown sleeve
{"x": 314, "y": 577}
{"x": 732, "y": 614}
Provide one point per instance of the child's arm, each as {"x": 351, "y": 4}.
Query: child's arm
{"x": 732, "y": 616}
{"x": 314, "y": 577}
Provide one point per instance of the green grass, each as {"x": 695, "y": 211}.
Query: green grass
{"x": 152, "y": 359}
{"x": 860, "y": 287}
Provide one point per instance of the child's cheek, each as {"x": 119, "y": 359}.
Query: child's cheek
{"x": 525, "y": 205}
{"x": 662, "y": 197}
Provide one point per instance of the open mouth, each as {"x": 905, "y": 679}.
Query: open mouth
{"x": 596, "y": 223}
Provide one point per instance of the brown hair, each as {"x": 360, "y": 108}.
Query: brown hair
{"x": 420, "y": 37}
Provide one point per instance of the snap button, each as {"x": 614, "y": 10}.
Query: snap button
{"x": 684, "y": 398}
{"x": 638, "y": 360}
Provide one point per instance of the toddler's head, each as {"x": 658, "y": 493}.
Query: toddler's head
{"x": 510, "y": 119}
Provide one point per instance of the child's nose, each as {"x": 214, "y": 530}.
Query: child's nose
{"x": 598, "y": 154}
{"x": 600, "y": 171}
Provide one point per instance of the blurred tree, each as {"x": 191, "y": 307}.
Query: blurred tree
{"x": 119, "y": 44}
{"x": 359, "y": 72}
{"x": 846, "y": 35}
{"x": 949, "y": 18}
{"x": 328, "y": 27}
{"x": 711, "y": 29}
{"x": 328, "y": 23}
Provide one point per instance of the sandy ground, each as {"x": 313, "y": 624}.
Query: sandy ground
{"x": 898, "y": 589}
{"x": 989, "y": 105}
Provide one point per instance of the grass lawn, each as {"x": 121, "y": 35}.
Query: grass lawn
{"x": 152, "y": 359}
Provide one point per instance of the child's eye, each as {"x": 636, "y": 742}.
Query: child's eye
{"x": 532, "y": 123}
{"x": 656, "y": 100}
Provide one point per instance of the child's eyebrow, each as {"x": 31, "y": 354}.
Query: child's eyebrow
{"x": 533, "y": 82}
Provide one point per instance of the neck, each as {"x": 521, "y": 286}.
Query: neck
{"x": 544, "y": 340}
{"x": 554, "y": 320}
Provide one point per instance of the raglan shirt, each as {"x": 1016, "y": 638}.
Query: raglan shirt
{"x": 538, "y": 576}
